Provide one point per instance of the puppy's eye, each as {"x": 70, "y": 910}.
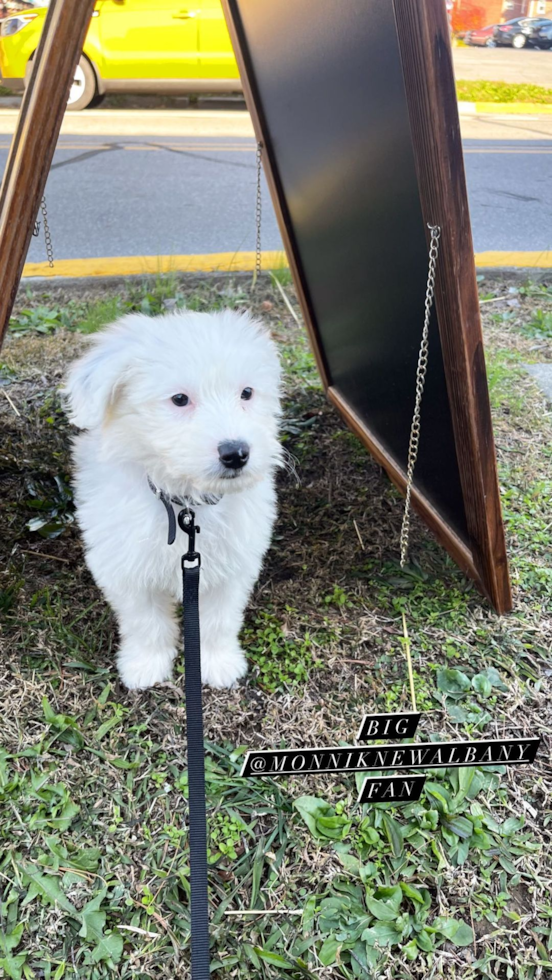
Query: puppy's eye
{"x": 180, "y": 400}
{"x": 246, "y": 394}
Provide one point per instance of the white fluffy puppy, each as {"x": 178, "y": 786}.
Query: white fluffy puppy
{"x": 190, "y": 402}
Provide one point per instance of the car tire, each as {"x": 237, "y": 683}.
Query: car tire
{"x": 96, "y": 101}
{"x": 519, "y": 41}
{"x": 490, "y": 43}
{"x": 83, "y": 89}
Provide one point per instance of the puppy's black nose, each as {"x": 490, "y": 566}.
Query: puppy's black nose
{"x": 233, "y": 455}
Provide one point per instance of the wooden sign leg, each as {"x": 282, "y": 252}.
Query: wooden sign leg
{"x": 35, "y": 140}
{"x": 423, "y": 33}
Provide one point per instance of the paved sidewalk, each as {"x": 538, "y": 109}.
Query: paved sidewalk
{"x": 145, "y": 122}
{"x": 542, "y": 374}
{"x": 192, "y": 122}
{"x": 503, "y": 127}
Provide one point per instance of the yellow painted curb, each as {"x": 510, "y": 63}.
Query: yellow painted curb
{"x": 231, "y": 262}
{"x": 520, "y": 260}
{"x": 136, "y": 265}
{"x": 513, "y": 108}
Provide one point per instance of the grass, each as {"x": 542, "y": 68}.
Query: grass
{"x": 93, "y": 781}
{"x": 482, "y": 91}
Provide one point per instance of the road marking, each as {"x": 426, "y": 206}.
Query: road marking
{"x": 194, "y": 148}
{"x": 222, "y": 148}
{"x": 240, "y": 148}
{"x": 216, "y": 149}
{"x": 538, "y": 151}
{"x": 137, "y": 265}
{"x": 250, "y": 147}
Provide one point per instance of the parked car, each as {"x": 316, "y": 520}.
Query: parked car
{"x": 521, "y": 35}
{"x": 9, "y": 7}
{"x": 545, "y": 36}
{"x": 480, "y": 37}
{"x": 484, "y": 36}
{"x": 132, "y": 46}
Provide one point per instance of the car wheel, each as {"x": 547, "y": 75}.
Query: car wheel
{"x": 519, "y": 41}
{"x": 490, "y": 43}
{"x": 83, "y": 89}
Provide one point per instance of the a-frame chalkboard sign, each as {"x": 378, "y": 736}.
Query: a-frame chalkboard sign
{"x": 355, "y": 106}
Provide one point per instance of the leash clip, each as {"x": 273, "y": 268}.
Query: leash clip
{"x": 186, "y": 521}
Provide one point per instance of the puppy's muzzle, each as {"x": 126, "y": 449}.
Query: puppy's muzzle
{"x": 233, "y": 455}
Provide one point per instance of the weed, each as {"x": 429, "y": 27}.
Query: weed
{"x": 40, "y": 319}
{"x": 540, "y": 325}
{"x": 225, "y": 836}
{"x": 338, "y": 597}
{"x": 385, "y": 903}
{"x": 99, "y": 314}
{"x": 281, "y": 273}
{"x": 279, "y": 660}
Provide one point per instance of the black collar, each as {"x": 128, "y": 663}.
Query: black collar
{"x": 185, "y": 502}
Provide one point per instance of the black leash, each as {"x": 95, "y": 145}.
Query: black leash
{"x": 199, "y": 902}
{"x": 191, "y": 562}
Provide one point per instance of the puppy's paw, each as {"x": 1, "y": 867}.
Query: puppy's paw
{"x": 223, "y": 666}
{"x": 141, "y": 667}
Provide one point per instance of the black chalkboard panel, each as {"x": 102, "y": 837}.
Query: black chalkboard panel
{"x": 327, "y": 89}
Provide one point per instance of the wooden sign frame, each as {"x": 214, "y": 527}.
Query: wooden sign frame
{"x": 34, "y": 142}
{"x": 422, "y": 34}
{"x": 423, "y": 37}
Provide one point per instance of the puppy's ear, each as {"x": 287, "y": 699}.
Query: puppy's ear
{"x": 94, "y": 380}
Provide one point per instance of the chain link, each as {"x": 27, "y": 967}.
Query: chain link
{"x": 421, "y": 371}
{"x": 47, "y": 235}
{"x": 258, "y": 214}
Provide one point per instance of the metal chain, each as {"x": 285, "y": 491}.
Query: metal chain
{"x": 421, "y": 371}
{"x": 47, "y": 235}
{"x": 258, "y": 214}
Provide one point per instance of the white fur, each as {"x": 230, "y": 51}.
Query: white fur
{"x": 120, "y": 392}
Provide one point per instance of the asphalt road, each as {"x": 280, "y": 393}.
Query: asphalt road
{"x": 529, "y": 66}
{"x": 111, "y": 196}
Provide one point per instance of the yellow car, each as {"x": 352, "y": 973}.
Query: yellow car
{"x": 170, "y": 46}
